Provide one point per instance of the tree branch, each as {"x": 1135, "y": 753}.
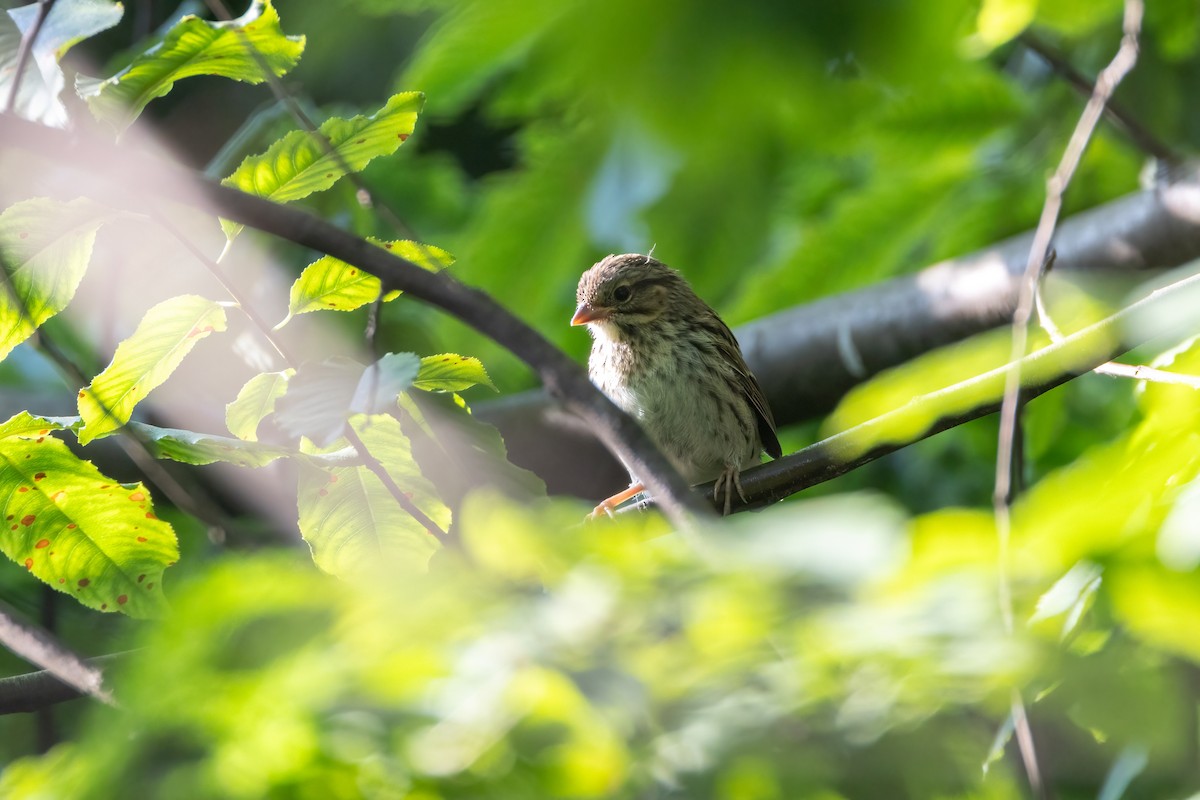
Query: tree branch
{"x": 33, "y": 691}
{"x": 40, "y": 647}
{"x": 156, "y": 180}
{"x": 797, "y": 354}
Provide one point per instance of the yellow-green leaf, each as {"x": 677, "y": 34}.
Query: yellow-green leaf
{"x": 45, "y": 247}
{"x": 195, "y": 47}
{"x": 300, "y": 163}
{"x": 331, "y": 284}
{"x": 353, "y": 523}
{"x": 449, "y": 372}
{"x": 254, "y": 402}
{"x": 76, "y": 529}
{"x": 142, "y": 362}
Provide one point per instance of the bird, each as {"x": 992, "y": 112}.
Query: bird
{"x": 666, "y": 358}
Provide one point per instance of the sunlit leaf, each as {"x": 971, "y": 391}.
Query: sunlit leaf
{"x": 300, "y": 163}
{"x": 351, "y": 520}
{"x": 166, "y": 334}
{"x": 1001, "y": 20}
{"x": 78, "y": 530}
{"x": 449, "y": 372}
{"x": 255, "y": 401}
{"x": 1070, "y": 596}
{"x": 195, "y": 47}
{"x": 331, "y": 284}
{"x": 45, "y": 247}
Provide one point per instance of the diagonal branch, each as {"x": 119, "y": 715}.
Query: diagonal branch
{"x": 157, "y": 180}
{"x": 39, "y": 646}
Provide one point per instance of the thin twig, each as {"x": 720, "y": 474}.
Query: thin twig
{"x": 25, "y": 51}
{"x": 243, "y": 303}
{"x": 1146, "y": 141}
{"x": 367, "y": 198}
{"x": 374, "y": 465}
{"x": 40, "y": 647}
{"x": 1115, "y": 369}
{"x": 1106, "y": 82}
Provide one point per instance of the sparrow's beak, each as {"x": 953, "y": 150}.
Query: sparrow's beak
{"x": 586, "y": 313}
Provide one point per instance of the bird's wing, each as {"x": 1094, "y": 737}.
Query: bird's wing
{"x": 751, "y": 390}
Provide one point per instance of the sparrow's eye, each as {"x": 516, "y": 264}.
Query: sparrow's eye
{"x": 622, "y": 293}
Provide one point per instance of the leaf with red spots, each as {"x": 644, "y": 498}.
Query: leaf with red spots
{"x": 164, "y": 337}
{"x": 300, "y": 164}
{"x": 353, "y": 523}
{"x": 449, "y": 372}
{"x": 331, "y": 284}
{"x": 76, "y": 529}
{"x": 45, "y": 247}
{"x": 194, "y": 47}
{"x": 254, "y": 402}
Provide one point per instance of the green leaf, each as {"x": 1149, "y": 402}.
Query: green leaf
{"x": 142, "y": 362}
{"x": 190, "y": 447}
{"x": 352, "y": 522}
{"x": 254, "y": 402}
{"x": 26, "y": 424}
{"x": 449, "y": 372}
{"x": 76, "y": 529}
{"x": 999, "y": 21}
{"x": 330, "y": 283}
{"x": 195, "y": 47}
{"x": 300, "y": 163}
{"x": 45, "y": 247}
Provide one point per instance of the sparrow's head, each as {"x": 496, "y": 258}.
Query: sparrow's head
{"x": 627, "y": 291}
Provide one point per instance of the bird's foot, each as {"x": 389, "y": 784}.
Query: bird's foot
{"x": 607, "y": 507}
{"x": 728, "y": 481}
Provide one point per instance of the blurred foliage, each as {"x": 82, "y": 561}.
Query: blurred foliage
{"x": 836, "y": 647}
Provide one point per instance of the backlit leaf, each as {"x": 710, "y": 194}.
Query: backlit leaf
{"x": 449, "y": 372}
{"x": 300, "y": 163}
{"x": 45, "y": 247}
{"x": 195, "y": 47}
{"x": 255, "y": 401}
{"x": 331, "y": 284}
{"x": 77, "y": 530}
{"x": 142, "y": 362}
{"x": 351, "y": 520}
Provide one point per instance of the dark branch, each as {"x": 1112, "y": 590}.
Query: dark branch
{"x": 39, "y": 646}
{"x": 808, "y": 357}
{"x": 34, "y": 691}
{"x": 157, "y": 180}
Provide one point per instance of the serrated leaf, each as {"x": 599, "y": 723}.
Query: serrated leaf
{"x": 254, "y": 402}
{"x": 76, "y": 529}
{"x": 331, "y": 284}
{"x": 353, "y": 523}
{"x": 142, "y": 362}
{"x": 45, "y": 247}
{"x": 190, "y": 447}
{"x": 300, "y": 163}
{"x": 195, "y": 47}
{"x": 321, "y": 397}
{"x": 26, "y": 424}
{"x": 450, "y": 372}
